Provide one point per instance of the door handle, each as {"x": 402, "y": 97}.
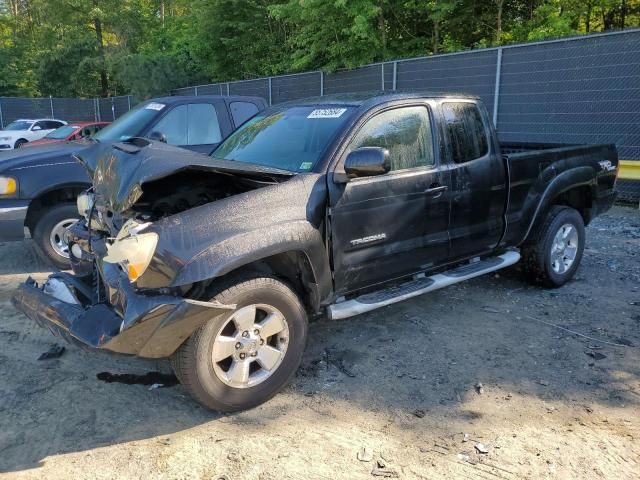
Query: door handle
{"x": 435, "y": 190}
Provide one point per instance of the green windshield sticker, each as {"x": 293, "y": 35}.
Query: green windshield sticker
{"x": 306, "y": 165}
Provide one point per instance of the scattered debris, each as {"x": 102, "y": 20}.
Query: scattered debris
{"x": 595, "y": 355}
{"x": 479, "y": 388}
{"x": 156, "y": 385}
{"x": 149, "y": 378}
{"x": 482, "y": 448}
{"x": 419, "y": 413}
{"x": 543, "y": 383}
{"x": 464, "y": 457}
{"x": 364, "y": 455}
{"x": 465, "y": 438}
{"x": 55, "y": 351}
{"x": 381, "y": 470}
{"x": 625, "y": 341}
{"x": 508, "y": 396}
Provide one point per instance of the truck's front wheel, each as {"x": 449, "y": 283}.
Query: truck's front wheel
{"x": 552, "y": 255}
{"x": 241, "y": 359}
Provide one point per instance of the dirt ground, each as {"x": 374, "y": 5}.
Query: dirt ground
{"x": 400, "y": 382}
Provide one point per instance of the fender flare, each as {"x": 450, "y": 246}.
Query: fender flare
{"x": 565, "y": 181}
{"x": 245, "y": 248}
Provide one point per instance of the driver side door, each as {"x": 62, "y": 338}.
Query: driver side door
{"x": 392, "y": 225}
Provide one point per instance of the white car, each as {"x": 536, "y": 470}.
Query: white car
{"x": 19, "y": 132}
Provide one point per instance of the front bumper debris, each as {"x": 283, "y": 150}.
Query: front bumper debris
{"x": 151, "y": 326}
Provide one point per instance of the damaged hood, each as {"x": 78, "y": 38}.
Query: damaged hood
{"x": 120, "y": 170}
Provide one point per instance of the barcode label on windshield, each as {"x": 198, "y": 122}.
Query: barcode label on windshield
{"x": 327, "y": 113}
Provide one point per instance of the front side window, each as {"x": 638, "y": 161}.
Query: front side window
{"x": 405, "y": 132}
{"x": 174, "y": 126}
{"x": 466, "y": 132}
{"x": 39, "y": 126}
{"x": 292, "y": 139}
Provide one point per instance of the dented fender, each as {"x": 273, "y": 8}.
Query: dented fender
{"x": 214, "y": 239}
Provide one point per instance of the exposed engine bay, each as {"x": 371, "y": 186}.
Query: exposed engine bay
{"x": 189, "y": 189}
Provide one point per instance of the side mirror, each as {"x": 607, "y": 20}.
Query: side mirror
{"x": 367, "y": 162}
{"x": 36, "y": 128}
{"x": 158, "y": 136}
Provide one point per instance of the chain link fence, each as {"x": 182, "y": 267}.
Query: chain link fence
{"x": 574, "y": 90}
{"x": 68, "y": 109}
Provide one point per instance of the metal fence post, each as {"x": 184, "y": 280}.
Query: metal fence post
{"x": 382, "y": 75}
{"x": 51, "y": 105}
{"x": 321, "y": 83}
{"x": 1, "y": 119}
{"x": 129, "y": 101}
{"x": 395, "y": 75}
{"x": 227, "y": 89}
{"x": 496, "y": 92}
{"x": 195, "y": 90}
{"x": 269, "y": 91}
{"x": 113, "y": 109}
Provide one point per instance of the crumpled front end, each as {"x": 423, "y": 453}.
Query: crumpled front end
{"x": 104, "y": 311}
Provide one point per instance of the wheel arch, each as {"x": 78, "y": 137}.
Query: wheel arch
{"x": 573, "y": 188}
{"x": 53, "y": 196}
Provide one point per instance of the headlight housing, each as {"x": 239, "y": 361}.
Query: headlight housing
{"x": 84, "y": 203}
{"x": 132, "y": 250}
{"x": 8, "y": 186}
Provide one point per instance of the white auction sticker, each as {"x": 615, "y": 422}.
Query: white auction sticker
{"x": 155, "y": 106}
{"x": 327, "y": 113}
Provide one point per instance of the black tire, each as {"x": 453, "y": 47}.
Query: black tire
{"x": 48, "y": 219}
{"x": 19, "y": 143}
{"x": 193, "y": 361}
{"x": 537, "y": 251}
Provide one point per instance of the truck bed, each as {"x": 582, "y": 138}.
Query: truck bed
{"x": 531, "y": 167}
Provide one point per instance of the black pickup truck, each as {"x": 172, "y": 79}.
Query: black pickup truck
{"x": 39, "y": 185}
{"x": 336, "y": 204}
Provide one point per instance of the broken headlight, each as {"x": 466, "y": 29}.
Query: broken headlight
{"x": 132, "y": 250}
{"x": 85, "y": 202}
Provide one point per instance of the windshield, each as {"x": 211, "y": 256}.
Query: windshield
{"x": 62, "y": 132}
{"x": 293, "y": 139}
{"x": 19, "y": 125}
{"x": 131, "y": 124}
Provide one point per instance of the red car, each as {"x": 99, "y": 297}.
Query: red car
{"x": 71, "y": 131}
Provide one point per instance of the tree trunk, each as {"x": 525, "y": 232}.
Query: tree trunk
{"x": 587, "y": 21}
{"x": 499, "y": 3}
{"x": 623, "y": 13}
{"x": 383, "y": 32}
{"x": 436, "y": 36}
{"x": 104, "y": 84}
{"x": 162, "y": 12}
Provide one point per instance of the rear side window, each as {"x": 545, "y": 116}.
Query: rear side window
{"x": 242, "y": 111}
{"x": 405, "y": 132}
{"x": 465, "y": 129}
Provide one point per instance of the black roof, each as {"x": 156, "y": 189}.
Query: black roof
{"x": 372, "y": 98}
{"x": 186, "y": 98}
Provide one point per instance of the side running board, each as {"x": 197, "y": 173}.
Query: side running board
{"x": 382, "y": 298}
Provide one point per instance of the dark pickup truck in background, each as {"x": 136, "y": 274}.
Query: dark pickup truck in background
{"x": 337, "y": 204}
{"x": 39, "y": 185}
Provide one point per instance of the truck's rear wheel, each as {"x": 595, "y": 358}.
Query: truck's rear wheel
{"x": 241, "y": 359}
{"x": 49, "y": 231}
{"x": 553, "y": 254}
